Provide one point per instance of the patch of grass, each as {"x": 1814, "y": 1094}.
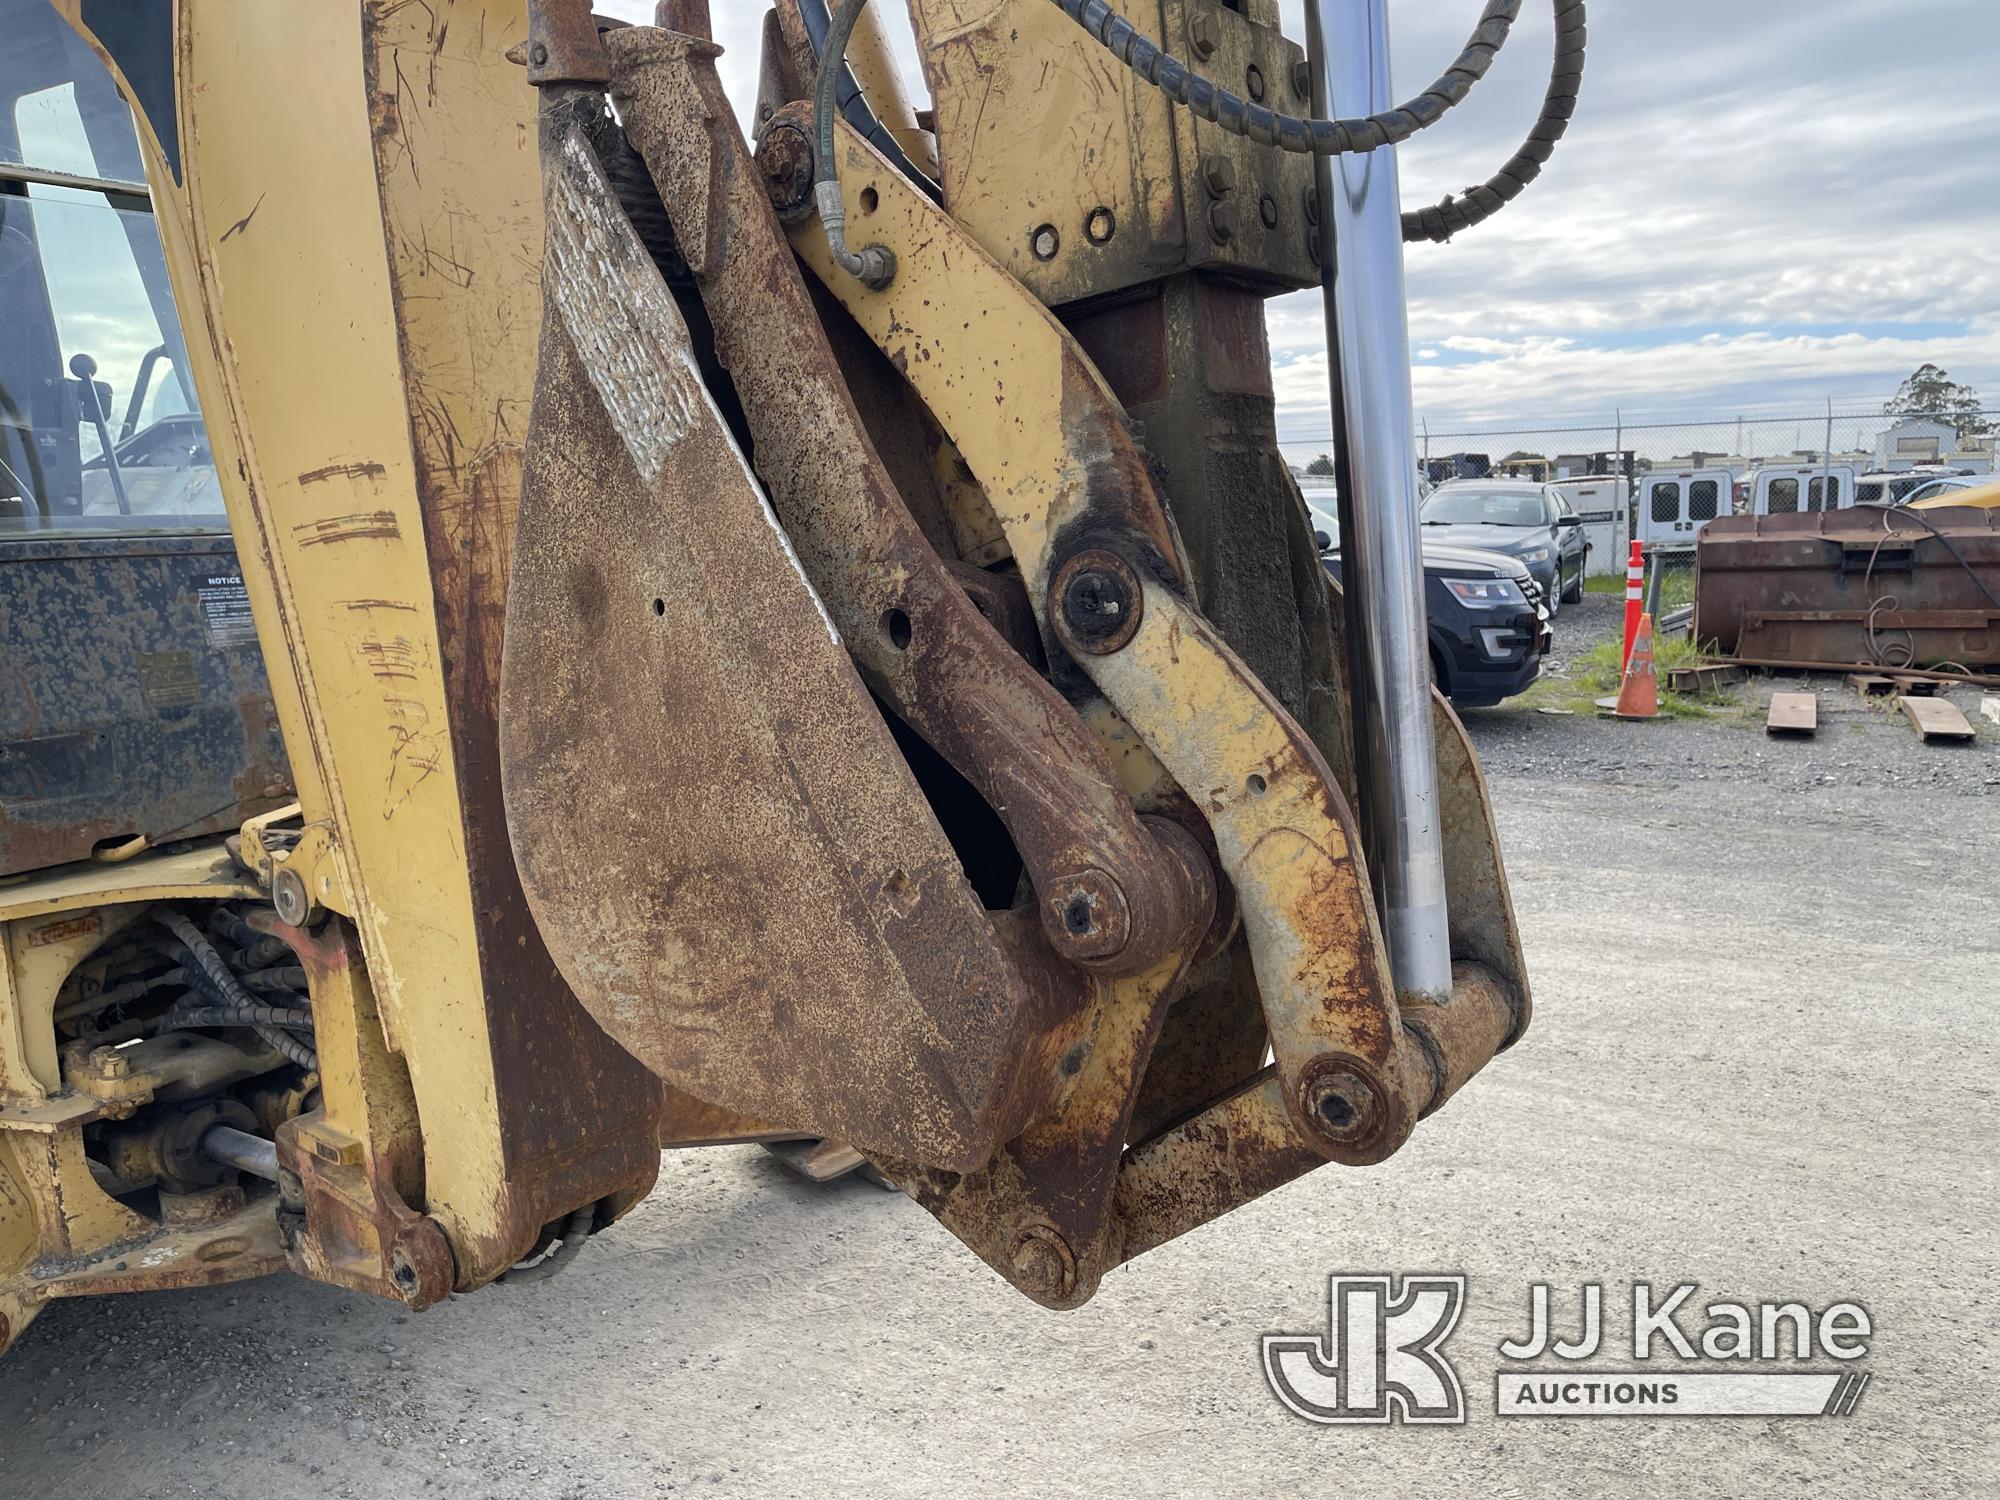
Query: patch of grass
{"x": 1676, "y": 589}
{"x": 1596, "y": 674}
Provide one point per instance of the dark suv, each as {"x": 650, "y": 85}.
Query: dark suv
{"x": 1533, "y": 522}
{"x": 1489, "y": 619}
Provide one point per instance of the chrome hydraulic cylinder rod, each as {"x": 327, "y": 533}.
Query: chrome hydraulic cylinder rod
{"x": 241, "y": 1150}
{"x": 1382, "y": 567}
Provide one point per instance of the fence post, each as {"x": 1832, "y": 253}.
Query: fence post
{"x": 1619, "y": 466}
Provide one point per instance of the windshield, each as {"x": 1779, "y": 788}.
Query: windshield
{"x": 1475, "y": 507}
{"x": 91, "y": 354}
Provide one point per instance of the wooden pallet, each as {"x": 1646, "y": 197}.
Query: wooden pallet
{"x": 1936, "y": 718}
{"x": 1704, "y": 679}
{"x": 1792, "y": 713}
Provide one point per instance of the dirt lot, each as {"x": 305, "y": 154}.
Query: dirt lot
{"x": 1764, "y": 976}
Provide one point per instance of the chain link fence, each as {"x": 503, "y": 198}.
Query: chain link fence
{"x": 1657, "y": 478}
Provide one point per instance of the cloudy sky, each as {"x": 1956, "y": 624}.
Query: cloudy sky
{"x": 1762, "y": 204}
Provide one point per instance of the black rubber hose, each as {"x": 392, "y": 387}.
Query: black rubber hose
{"x": 259, "y": 949}
{"x": 873, "y": 265}
{"x": 254, "y": 1017}
{"x": 1950, "y": 546}
{"x": 574, "y": 1233}
{"x": 215, "y": 977}
{"x": 826, "y": 82}
{"x": 1269, "y": 127}
{"x": 1478, "y": 204}
{"x": 284, "y": 980}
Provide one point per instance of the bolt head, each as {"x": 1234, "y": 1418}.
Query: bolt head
{"x": 1342, "y": 1106}
{"x": 1253, "y": 80}
{"x": 1098, "y": 596}
{"x": 1312, "y": 205}
{"x": 288, "y": 895}
{"x": 1201, "y": 36}
{"x": 538, "y": 55}
{"x": 1302, "y": 81}
{"x": 785, "y": 162}
{"x": 1044, "y": 1265}
{"x": 1087, "y": 916}
{"x": 1267, "y": 210}
{"x": 1220, "y": 229}
{"x": 1219, "y": 173}
{"x": 1045, "y": 242}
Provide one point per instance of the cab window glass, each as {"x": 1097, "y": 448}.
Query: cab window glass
{"x": 100, "y": 428}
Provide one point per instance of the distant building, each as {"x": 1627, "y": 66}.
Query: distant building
{"x": 1975, "y": 452}
{"x": 1914, "y": 441}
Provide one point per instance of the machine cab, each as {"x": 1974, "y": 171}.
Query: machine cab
{"x": 138, "y": 705}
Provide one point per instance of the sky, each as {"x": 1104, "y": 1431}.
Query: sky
{"x": 1761, "y": 205}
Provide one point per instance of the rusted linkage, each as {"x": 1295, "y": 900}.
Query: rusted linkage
{"x": 1112, "y": 898}
{"x": 1245, "y": 1145}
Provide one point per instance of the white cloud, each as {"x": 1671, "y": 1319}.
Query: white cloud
{"x": 1759, "y": 200}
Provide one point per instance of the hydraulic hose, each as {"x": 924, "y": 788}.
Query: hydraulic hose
{"x": 574, "y": 1233}
{"x": 256, "y": 1017}
{"x": 216, "y": 979}
{"x": 1269, "y": 127}
{"x": 874, "y": 265}
{"x": 1478, "y": 204}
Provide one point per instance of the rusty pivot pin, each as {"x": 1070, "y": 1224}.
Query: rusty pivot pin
{"x": 1099, "y": 601}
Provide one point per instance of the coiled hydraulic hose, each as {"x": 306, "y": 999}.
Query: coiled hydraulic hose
{"x": 1268, "y": 127}
{"x": 1344, "y": 137}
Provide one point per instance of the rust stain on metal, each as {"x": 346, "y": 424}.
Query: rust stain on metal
{"x": 738, "y": 944}
{"x": 1870, "y": 587}
{"x": 1111, "y": 898}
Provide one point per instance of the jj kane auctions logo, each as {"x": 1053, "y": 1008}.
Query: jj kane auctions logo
{"x": 1382, "y": 1360}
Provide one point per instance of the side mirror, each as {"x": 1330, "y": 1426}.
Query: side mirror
{"x": 1565, "y": 522}
{"x": 1322, "y": 541}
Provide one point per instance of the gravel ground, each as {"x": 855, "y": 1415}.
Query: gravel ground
{"x": 1760, "y": 1061}
{"x": 1858, "y": 744}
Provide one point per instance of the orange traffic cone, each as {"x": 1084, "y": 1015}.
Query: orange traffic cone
{"x": 1639, "y": 698}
